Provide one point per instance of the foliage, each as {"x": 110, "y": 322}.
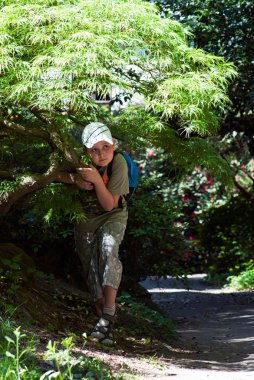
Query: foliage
{"x": 199, "y": 194}
{"x": 226, "y": 233}
{"x": 51, "y": 42}
{"x": 68, "y": 366}
{"x": 16, "y": 364}
{"x": 6, "y": 328}
{"x": 12, "y": 273}
{"x": 227, "y": 240}
{"x": 50, "y": 203}
{"x": 20, "y": 353}
{"x": 180, "y": 155}
{"x": 245, "y": 280}
{"x": 16, "y": 267}
{"x": 152, "y": 245}
{"x": 195, "y": 194}
{"x": 218, "y": 223}
{"x": 58, "y": 56}
{"x": 14, "y": 360}
{"x": 134, "y": 308}
{"x": 161, "y": 235}
{"x": 224, "y": 28}
{"x": 202, "y": 234}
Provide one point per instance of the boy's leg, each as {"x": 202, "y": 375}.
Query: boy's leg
{"x": 86, "y": 246}
{"x": 106, "y": 266}
{"x": 84, "y": 242}
{"x": 110, "y": 266}
{"x": 109, "y": 296}
{"x": 99, "y": 305}
{"x": 102, "y": 331}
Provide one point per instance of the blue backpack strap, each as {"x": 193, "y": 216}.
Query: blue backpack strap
{"x": 132, "y": 175}
{"x": 132, "y": 170}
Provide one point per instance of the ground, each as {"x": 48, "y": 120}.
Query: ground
{"x": 214, "y": 328}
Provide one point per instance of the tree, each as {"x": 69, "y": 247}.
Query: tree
{"x": 57, "y": 54}
{"x": 224, "y": 28}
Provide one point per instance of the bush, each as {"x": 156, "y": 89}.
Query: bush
{"x": 153, "y": 244}
{"x": 226, "y": 236}
{"x": 245, "y": 280}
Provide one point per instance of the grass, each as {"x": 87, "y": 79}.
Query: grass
{"x": 137, "y": 328}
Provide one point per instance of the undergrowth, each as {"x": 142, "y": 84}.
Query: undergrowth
{"x": 137, "y": 312}
{"x": 243, "y": 281}
{"x": 18, "y": 359}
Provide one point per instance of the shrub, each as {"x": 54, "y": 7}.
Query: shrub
{"x": 153, "y": 244}
{"x": 226, "y": 236}
{"x": 245, "y": 279}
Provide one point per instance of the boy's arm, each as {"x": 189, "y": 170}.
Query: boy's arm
{"x": 74, "y": 179}
{"x": 106, "y": 199}
{"x": 104, "y": 196}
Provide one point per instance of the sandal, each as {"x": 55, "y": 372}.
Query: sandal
{"x": 102, "y": 331}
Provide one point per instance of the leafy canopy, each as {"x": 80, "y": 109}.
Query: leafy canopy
{"x": 58, "y": 53}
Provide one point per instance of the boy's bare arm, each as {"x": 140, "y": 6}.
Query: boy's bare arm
{"x": 106, "y": 199}
{"x": 74, "y": 179}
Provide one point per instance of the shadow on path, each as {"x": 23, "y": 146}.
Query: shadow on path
{"x": 215, "y": 326}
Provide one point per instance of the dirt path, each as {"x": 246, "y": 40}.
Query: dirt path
{"x": 215, "y": 327}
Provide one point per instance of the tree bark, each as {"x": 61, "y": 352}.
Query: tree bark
{"x": 34, "y": 182}
{"x": 18, "y": 128}
{"x": 31, "y": 183}
{"x": 53, "y": 138}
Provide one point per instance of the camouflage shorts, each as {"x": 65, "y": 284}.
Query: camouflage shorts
{"x": 98, "y": 252}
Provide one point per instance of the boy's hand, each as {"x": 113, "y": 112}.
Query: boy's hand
{"x": 83, "y": 184}
{"x": 89, "y": 174}
{"x": 74, "y": 179}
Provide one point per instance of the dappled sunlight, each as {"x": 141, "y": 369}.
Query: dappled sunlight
{"x": 215, "y": 326}
{"x": 247, "y": 339}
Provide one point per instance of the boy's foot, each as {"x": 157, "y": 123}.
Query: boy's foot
{"x": 102, "y": 331}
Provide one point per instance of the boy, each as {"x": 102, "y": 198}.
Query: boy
{"x": 98, "y": 238}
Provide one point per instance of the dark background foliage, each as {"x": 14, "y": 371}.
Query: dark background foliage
{"x": 224, "y": 28}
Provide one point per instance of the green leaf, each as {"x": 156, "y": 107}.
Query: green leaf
{"x": 9, "y": 339}
{"x": 9, "y": 354}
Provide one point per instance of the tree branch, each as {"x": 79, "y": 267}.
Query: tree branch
{"x": 39, "y": 114}
{"x": 18, "y": 128}
{"x": 53, "y": 138}
{"x": 69, "y": 153}
{"x": 29, "y": 184}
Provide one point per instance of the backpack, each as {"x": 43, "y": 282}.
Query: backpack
{"x": 132, "y": 174}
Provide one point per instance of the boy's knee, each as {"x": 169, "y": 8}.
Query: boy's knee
{"x": 113, "y": 232}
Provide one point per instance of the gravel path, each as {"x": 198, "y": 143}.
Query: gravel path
{"x": 215, "y": 327}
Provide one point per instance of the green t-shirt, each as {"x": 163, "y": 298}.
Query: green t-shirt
{"x": 118, "y": 185}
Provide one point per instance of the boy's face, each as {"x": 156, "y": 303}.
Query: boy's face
{"x": 101, "y": 153}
